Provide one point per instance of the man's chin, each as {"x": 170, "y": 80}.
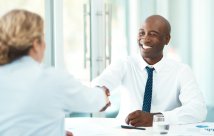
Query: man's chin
{"x": 146, "y": 55}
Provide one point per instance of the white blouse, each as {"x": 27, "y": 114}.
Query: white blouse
{"x": 34, "y": 99}
{"x": 175, "y": 91}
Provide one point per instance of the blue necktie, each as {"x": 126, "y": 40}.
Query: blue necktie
{"x": 148, "y": 91}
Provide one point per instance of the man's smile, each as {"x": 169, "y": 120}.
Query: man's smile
{"x": 145, "y": 47}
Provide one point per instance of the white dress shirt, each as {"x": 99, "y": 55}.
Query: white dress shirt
{"x": 34, "y": 99}
{"x": 175, "y": 91}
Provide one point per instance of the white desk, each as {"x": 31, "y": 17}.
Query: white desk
{"x": 111, "y": 127}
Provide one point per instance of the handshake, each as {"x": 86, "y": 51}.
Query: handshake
{"x": 108, "y": 103}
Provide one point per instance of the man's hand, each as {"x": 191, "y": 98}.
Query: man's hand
{"x": 106, "y": 90}
{"x": 108, "y": 103}
{"x": 139, "y": 118}
{"x": 105, "y": 107}
{"x": 68, "y": 133}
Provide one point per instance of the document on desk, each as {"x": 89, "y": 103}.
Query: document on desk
{"x": 196, "y": 129}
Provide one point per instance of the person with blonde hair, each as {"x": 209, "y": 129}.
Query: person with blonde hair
{"x": 34, "y": 99}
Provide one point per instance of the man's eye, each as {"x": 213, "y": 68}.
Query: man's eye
{"x": 153, "y": 34}
{"x": 141, "y": 33}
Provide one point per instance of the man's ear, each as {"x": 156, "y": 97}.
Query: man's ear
{"x": 168, "y": 37}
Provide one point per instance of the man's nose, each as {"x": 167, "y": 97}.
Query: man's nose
{"x": 146, "y": 38}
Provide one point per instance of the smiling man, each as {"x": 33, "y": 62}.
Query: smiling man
{"x": 154, "y": 84}
{"x": 152, "y": 37}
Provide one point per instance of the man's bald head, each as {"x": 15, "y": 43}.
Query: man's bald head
{"x": 153, "y": 35}
{"x": 162, "y": 20}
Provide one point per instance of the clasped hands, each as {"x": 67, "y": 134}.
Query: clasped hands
{"x": 108, "y": 103}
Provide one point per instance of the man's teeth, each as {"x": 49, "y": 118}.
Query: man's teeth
{"x": 146, "y": 47}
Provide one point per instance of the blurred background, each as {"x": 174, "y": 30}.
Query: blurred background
{"x": 85, "y": 36}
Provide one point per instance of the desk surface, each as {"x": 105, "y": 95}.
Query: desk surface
{"x": 111, "y": 127}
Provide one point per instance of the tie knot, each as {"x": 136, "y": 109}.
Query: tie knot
{"x": 149, "y": 70}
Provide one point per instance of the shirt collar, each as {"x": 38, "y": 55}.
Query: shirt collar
{"x": 158, "y": 66}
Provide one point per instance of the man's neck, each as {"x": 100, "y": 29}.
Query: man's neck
{"x": 152, "y": 61}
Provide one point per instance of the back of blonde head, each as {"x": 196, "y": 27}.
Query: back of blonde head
{"x": 18, "y": 30}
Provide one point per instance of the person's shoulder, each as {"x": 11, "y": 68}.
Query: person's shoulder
{"x": 121, "y": 63}
{"x": 128, "y": 61}
{"x": 177, "y": 64}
